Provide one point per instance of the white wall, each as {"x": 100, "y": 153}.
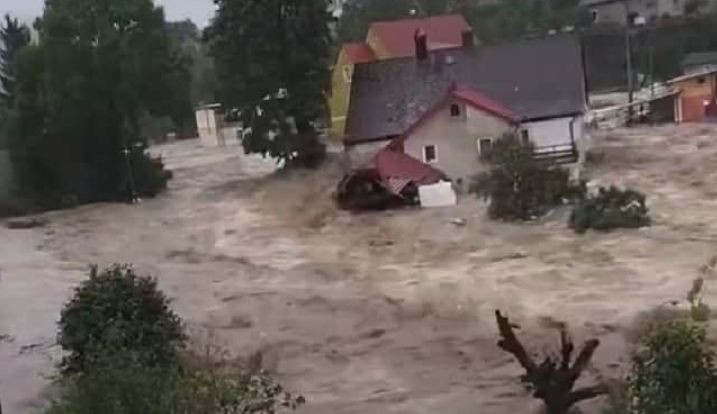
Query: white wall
{"x": 555, "y": 132}
{"x": 456, "y": 139}
{"x": 209, "y": 125}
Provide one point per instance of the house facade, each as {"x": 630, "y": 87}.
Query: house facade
{"x": 447, "y": 107}
{"x": 387, "y": 40}
{"x": 696, "y": 97}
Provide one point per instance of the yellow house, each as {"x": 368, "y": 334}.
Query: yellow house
{"x": 388, "y": 40}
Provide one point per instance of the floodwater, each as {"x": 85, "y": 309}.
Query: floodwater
{"x": 388, "y": 312}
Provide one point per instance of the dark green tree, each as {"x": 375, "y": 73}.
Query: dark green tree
{"x": 82, "y": 91}
{"x": 272, "y": 61}
{"x": 13, "y": 37}
{"x": 116, "y": 312}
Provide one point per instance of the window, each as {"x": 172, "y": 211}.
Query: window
{"x": 594, "y": 15}
{"x": 525, "y": 136}
{"x": 430, "y": 154}
{"x": 347, "y": 73}
{"x": 455, "y": 110}
{"x": 701, "y": 80}
{"x": 485, "y": 145}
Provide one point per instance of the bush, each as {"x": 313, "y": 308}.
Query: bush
{"x": 519, "y": 186}
{"x": 117, "y": 311}
{"x": 674, "y": 373}
{"x": 150, "y": 176}
{"x": 126, "y": 386}
{"x": 610, "y": 209}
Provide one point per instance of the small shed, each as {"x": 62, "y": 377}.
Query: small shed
{"x": 210, "y": 123}
{"x": 696, "y": 96}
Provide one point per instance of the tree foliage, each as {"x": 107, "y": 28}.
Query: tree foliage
{"x": 519, "y": 186}
{"x": 122, "y": 386}
{"x": 81, "y": 93}
{"x": 272, "y": 62}
{"x": 118, "y": 312}
{"x": 13, "y": 37}
{"x": 610, "y": 208}
{"x": 673, "y": 372}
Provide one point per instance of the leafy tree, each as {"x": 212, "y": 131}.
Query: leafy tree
{"x": 118, "y": 385}
{"x": 519, "y": 186}
{"x": 272, "y": 61}
{"x": 610, "y": 208}
{"x": 672, "y": 373}
{"x": 117, "y": 312}
{"x": 99, "y": 68}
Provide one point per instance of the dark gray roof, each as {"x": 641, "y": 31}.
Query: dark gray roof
{"x": 538, "y": 78}
{"x": 699, "y": 58}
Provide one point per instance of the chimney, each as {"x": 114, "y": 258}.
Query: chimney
{"x": 421, "y": 45}
{"x": 468, "y": 40}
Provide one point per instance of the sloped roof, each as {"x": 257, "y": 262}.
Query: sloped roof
{"x": 480, "y": 101}
{"x": 537, "y": 78}
{"x": 392, "y": 165}
{"x": 700, "y": 58}
{"x": 442, "y": 31}
{"x": 358, "y": 52}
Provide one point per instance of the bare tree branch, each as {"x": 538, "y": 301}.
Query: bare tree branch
{"x": 588, "y": 393}
{"x": 511, "y": 344}
{"x": 552, "y": 383}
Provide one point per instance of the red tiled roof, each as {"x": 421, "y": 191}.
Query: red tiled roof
{"x": 442, "y": 32}
{"x": 358, "y": 52}
{"x": 394, "y": 167}
{"x": 485, "y": 103}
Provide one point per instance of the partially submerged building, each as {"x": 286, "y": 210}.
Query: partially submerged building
{"x": 446, "y": 107}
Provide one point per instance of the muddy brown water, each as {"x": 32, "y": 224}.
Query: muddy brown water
{"x": 388, "y": 312}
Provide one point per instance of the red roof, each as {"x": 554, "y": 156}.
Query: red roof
{"x": 482, "y": 102}
{"x": 394, "y": 165}
{"x": 358, "y": 52}
{"x": 442, "y": 32}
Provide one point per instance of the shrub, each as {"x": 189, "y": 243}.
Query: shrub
{"x": 674, "y": 373}
{"x": 126, "y": 386}
{"x": 610, "y": 209}
{"x": 117, "y": 311}
{"x": 150, "y": 176}
{"x": 519, "y": 186}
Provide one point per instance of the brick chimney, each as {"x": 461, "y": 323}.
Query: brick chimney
{"x": 468, "y": 39}
{"x": 421, "y": 45}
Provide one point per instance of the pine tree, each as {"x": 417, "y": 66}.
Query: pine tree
{"x": 13, "y": 37}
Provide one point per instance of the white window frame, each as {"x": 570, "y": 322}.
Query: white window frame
{"x": 435, "y": 154}
{"x": 450, "y": 110}
{"x": 478, "y": 141}
{"x": 594, "y": 15}
{"x": 525, "y": 135}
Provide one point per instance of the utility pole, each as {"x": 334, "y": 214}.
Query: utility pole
{"x": 628, "y": 59}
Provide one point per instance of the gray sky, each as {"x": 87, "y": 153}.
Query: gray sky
{"x": 200, "y": 11}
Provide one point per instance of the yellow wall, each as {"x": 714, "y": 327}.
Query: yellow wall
{"x": 340, "y": 95}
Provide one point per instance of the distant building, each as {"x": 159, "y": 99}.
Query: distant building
{"x": 623, "y": 11}
{"x": 699, "y": 62}
{"x": 388, "y": 40}
{"x": 210, "y": 125}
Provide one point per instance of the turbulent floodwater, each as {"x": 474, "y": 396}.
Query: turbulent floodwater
{"x": 387, "y": 312}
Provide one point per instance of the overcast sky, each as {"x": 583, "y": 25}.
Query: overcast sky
{"x": 200, "y": 11}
